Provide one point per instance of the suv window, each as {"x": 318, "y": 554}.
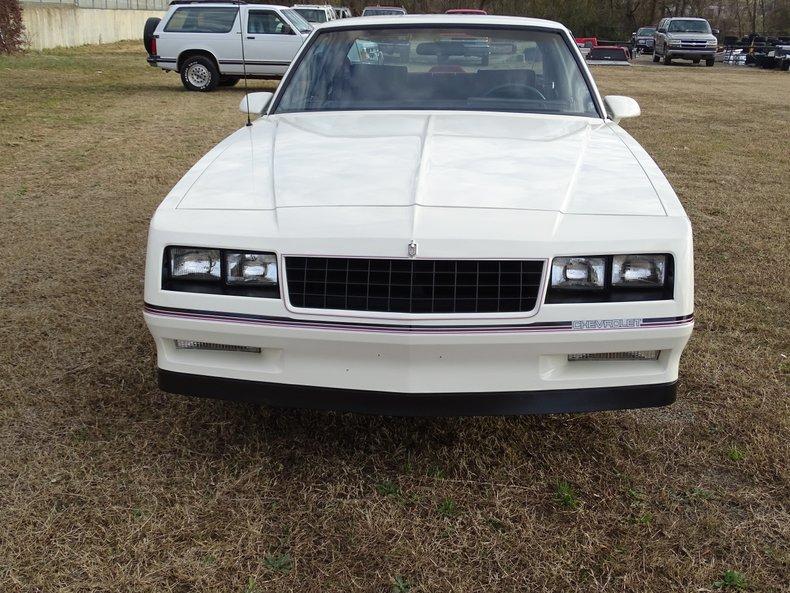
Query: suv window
{"x": 202, "y": 19}
{"x": 265, "y": 22}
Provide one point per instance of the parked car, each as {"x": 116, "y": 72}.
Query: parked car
{"x": 642, "y": 40}
{"x": 778, "y": 57}
{"x": 390, "y": 239}
{"x": 474, "y": 11}
{"x": 383, "y": 11}
{"x": 202, "y": 41}
{"x": 608, "y": 55}
{"x": 315, "y": 13}
{"x": 685, "y": 38}
{"x": 343, "y": 12}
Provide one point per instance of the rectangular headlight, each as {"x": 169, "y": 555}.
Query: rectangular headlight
{"x": 250, "y": 269}
{"x": 639, "y": 271}
{"x": 193, "y": 263}
{"x": 220, "y": 271}
{"x": 578, "y": 273}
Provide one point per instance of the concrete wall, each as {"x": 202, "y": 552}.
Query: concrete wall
{"x": 67, "y": 26}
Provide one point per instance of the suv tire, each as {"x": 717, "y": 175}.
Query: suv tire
{"x": 228, "y": 80}
{"x": 198, "y": 73}
{"x": 710, "y": 61}
{"x": 667, "y": 60}
{"x": 148, "y": 32}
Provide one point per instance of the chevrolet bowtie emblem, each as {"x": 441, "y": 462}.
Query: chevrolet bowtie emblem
{"x": 412, "y": 249}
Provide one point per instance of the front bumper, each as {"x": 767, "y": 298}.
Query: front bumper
{"x": 646, "y": 45}
{"x": 507, "y": 403}
{"x": 519, "y": 368}
{"x": 691, "y": 54}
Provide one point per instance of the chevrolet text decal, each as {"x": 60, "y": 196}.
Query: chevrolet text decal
{"x": 606, "y": 323}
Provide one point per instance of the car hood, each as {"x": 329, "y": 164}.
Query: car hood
{"x": 550, "y": 163}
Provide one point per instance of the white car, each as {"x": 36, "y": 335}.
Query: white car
{"x": 202, "y": 41}
{"x": 431, "y": 237}
{"x": 383, "y": 11}
{"x": 316, "y": 13}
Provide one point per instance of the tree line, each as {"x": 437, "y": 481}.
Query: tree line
{"x": 617, "y": 19}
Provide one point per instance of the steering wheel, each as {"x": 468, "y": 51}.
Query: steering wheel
{"x": 515, "y": 90}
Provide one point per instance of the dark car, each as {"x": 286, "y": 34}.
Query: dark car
{"x": 609, "y": 55}
{"x": 642, "y": 41}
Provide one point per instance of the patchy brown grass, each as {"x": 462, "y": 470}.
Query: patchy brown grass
{"x": 107, "y": 484}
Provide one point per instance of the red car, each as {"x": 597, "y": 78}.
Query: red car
{"x": 592, "y": 41}
{"x": 466, "y": 11}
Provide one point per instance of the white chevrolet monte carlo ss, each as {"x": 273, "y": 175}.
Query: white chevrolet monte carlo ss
{"x": 433, "y": 215}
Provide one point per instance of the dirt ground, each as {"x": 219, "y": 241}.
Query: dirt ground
{"x": 107, "y": 484}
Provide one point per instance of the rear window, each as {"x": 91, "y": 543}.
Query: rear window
{"x": 383, "y": 11}
{"x": 202, "y": 19}
{"x": 312, "y": 15}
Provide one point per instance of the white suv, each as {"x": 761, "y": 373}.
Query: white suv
{"x": 316, "y": 13}
{"x": 203, "y": 41}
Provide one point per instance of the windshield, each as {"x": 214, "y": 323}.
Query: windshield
{"x": 688, "y": 26}
{"x": 313, "y": 15}
{"x": 297, "y": 20}
{"x": 450, "y": 68}
{"x": 645, "y": 32}
{"x": 382, "y": 11}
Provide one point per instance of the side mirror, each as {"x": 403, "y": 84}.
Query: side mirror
{"x": 256, "y": 103}
{"x": 715, "y": 31}
{"x": 662, "y": 30}
{"x": 620, "y": 107}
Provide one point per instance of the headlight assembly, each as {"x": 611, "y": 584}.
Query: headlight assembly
{"x": 251, "y": 269}
{"x": 611, "y": 278}
{"x": 578, "y": 273}
{"x": 639, "y": 271}
{"x": 188, "y": 263}
{"x": 220, "y": 271}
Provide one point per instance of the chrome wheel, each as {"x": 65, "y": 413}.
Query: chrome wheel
{"x": 198, "y": 76}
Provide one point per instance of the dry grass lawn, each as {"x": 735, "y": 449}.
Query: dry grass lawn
{"x": 107, "y": 484}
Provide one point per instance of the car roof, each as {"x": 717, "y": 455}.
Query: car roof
{"x": 224, "y": 4}
{"x": 442, "y": 19}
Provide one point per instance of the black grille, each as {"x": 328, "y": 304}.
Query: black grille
{"x": 413, "y": 286}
